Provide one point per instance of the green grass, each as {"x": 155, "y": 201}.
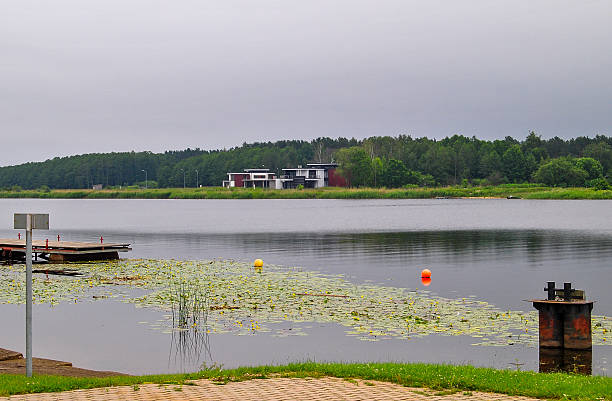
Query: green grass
{"x": 527, "y": 191}
{"x": 438, "y": 377}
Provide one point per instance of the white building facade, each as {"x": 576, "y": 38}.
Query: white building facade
{"x": 314, "y": 175}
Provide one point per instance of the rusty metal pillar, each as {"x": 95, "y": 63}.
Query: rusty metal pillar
{"x": 551, "y": 324}
{"x": 565, "y": 318}
{"x": 566, "y": 360}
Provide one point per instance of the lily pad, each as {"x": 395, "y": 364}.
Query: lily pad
{"x": 245, "y": 301}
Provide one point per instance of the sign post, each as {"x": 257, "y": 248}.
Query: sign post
{"x": 29, "y": 222}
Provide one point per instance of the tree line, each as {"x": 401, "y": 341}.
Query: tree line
{"x": 375, "y": 161}
{"x": 395, "y": 162}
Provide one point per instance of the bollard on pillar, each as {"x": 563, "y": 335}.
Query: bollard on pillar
{"x": 565, "y": 318}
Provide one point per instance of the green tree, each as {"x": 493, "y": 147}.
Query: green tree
{"x": 354, "y": 166}
{"x": 532, "y": 141}
{"x": 602, "y": 152}
{"x": 592, "y": 167}
{"x": 377, "y": 169}
{"x": 561, "y": 172}
{"x": 599, "y": 184}
{"x": 490, "y": 163}
{"x": 395, "y": 174}
{"x": 425, "y": 180}
{"x": 438, "y": 161}
{"x": 531, "y": 165}
{"x": 539, "y": 154}
{"x": 514, "y": 164}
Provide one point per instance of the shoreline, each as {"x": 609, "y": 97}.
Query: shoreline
{"x": 13, "y": 363}
{"x": 515, "y": 191}
{"x": 447, "y": 378}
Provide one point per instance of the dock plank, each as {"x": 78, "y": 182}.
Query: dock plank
{"x": 60, "y": 244}
{"x": 62, "y": 251}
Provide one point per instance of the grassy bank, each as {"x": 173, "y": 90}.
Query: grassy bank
{"x": 526, "y": 191}
{"x": 439, "y": 377}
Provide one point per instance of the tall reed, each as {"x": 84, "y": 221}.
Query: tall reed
{"x": 189, "y": 303}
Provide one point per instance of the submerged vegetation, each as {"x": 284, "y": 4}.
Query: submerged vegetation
{"x": 437, "y": 377}
{"x": 224, "y": 296}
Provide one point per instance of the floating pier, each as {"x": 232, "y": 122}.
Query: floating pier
{"x": 61, "y": 251}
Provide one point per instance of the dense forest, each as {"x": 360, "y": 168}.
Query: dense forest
{"x": 376, "y": 161}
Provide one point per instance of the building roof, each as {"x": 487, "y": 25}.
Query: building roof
{"x": 322, "y": 165}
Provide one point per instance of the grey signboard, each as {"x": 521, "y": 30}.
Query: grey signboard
{"x": 39, "y": 221}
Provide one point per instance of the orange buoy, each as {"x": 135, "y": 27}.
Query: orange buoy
{"x": 426, "y": 273}
{"x": 426, "y": 281}
{"x": 258, "y": 263}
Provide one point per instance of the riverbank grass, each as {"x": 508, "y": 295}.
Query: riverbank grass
{"x": 525, "y": 191}
{"x": 438, "y": 377}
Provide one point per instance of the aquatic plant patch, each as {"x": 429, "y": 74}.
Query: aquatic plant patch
{"x": 281, "y": 301}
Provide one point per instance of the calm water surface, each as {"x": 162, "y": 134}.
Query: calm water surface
{"x": 501, "y": 251}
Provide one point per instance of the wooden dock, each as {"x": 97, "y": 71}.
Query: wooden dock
{"x": 61, "y": 251}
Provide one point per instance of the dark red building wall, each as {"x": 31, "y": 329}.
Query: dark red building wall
{"x": 334, "y": 179}
{"x": 238, "y": 179}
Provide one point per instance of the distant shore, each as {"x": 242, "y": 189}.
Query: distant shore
{"x": 522, "y": 191}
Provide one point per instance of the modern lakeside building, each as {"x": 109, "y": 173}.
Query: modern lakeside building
{"x": 314, "y": 175}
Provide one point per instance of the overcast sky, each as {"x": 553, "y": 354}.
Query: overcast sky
{"x": 80, "y": 76}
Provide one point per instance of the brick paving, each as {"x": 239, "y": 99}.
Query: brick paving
{"x": 276, "y": 389}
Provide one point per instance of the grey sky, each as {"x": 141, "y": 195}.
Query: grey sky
{"x": 80, "y": 76}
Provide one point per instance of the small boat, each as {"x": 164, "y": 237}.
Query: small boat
{"x": 513, "y": 197}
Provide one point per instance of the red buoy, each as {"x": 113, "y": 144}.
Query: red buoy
{"x": 426, "y": 273}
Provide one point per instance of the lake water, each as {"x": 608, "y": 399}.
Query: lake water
{"x": 500, "y": 251}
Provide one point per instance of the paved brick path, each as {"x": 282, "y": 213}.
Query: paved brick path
{"x": 267, "y": 389}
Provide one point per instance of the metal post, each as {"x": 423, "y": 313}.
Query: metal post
{"x": 146, "y": 179}
{"x": 29, "y": 222}
{"x": 567, "y": 291}
{"x": 197, "y": 177}
{"x": 551, "y": 290}
{"x": 29, "y": 295}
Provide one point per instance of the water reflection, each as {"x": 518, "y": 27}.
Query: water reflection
{"x": 566, "y": 360}
{"x": 189, "y": 349}
{"x": 500, "y": 251}
{"x": 469, "y": 262}
{"x": 468, "y": 245}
